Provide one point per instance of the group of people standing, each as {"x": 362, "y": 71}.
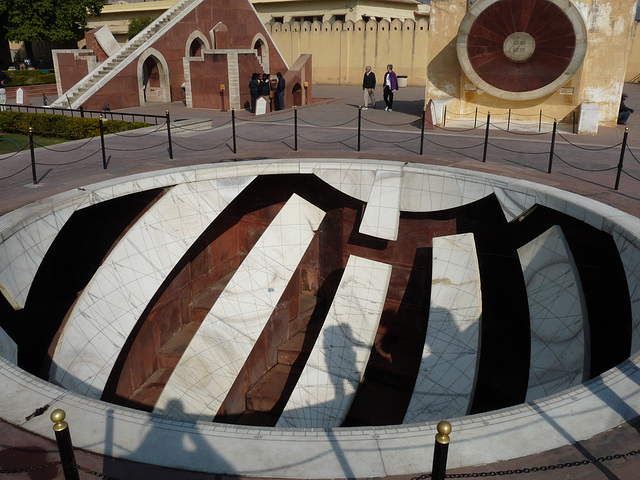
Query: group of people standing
{"x": 390, "y": 85}
{"x": 261, "y": 86}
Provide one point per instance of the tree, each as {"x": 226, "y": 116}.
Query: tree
{"x": 138, "y": 24}
{"x": 46, "y": 20}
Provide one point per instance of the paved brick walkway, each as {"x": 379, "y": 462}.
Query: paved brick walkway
{"x": 328, "y": 129}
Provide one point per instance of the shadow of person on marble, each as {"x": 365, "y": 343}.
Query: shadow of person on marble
{"x": 178, "y": 439}
{"x": 340, "y": 345}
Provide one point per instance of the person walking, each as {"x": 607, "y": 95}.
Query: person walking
{"x": 254, "y": 85}
{"x": 280, "y": 87}
{"x": 390, "y": 86}
{"x": 369, "y": 88}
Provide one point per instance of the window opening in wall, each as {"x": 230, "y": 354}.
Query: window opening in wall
{"x": 339, "y": 18}
{"x": 366, "y": 18}
{"x": 278, "y": 19}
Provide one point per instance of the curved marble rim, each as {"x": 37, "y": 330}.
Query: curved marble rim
{"x": 565, "y": 418}
{"x": 579, "y": 29}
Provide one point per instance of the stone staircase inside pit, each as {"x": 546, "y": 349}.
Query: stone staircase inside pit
{"x": 79, "y": 93}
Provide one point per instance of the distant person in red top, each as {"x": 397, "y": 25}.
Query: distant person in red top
{"x": 625, "y": 112}
{"x": 390, "y": 86}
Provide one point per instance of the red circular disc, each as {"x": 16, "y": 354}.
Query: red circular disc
{"x": 540, "y": 46}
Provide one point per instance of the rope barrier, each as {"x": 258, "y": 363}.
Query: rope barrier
{"x": 533, "y": 134}
{"x": 128, "y": 135}
{"x": 629, "y": 175}
{"x": 14, "y": 154}
{"x": 457, "y": 130}
{"x": 255, "y": 120}
{"x": 633, "y": 154}
{"x": 453, "y": 148}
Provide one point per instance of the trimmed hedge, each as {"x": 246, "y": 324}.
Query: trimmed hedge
{"x": 71, "y": 128}
{"x": 20, "y": 78}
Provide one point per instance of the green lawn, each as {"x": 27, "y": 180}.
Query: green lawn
{"x": 12, "y": 142}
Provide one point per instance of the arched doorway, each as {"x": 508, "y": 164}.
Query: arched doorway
{"x": 195, "y": 49}
{"x": 153, "y": 78}
{"x": 259, "y": 44}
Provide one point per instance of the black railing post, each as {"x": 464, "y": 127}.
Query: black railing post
{"x": 439, "y": 468}
{"x": 509, "y": 121}
{"x": 486, "y": 137}
{"x": 573, "y": 130}
{"x": 168, "y": 116}
{"x": 104, "y": 153}
{"x": 81, "y": 108}
{"x": 424, "y": 118}
{"x": 553, "y": 143}
{"x": 444, "y": 119}
{"x": 475, "y": 120}
{"x": 33, "y": 157}
{"x": 359, "y": 124}
{"x": 233, "y": 128}
{"x": 295, "y": 127}
{"x": 63, "y": 437}
{"x": 624, "y": 147}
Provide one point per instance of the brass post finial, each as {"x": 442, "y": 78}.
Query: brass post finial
{"x": 555, "y": 119}
{"x": 444, "y": 429}
{"x": 295, "y": 107}
{"x": 30, "y": 129}
{"x": 57, "y": 417}
{"x": 626, "y": 130}
{"x": 167, "y": 112}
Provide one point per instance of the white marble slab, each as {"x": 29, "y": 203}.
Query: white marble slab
{"x": 445, "y": 381}
{"x": 557, "y": 315}
{"x": 629, "y": 251}
{"x": 109, "y": 307}
{"x": 329, "y": 381}
{"x": 8, "y": 348}
{"x": 381, "y": 216}
{"x": 349, "y": 178}
{"x": 213, "y": 359}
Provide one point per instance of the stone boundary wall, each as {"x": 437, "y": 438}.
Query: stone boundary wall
{"x": 341, "y": 50}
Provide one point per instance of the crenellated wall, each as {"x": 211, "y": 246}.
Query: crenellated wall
{"x": 341, "y": 50}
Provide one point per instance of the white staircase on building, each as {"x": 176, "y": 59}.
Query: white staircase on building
{"x": 108, "y": 69}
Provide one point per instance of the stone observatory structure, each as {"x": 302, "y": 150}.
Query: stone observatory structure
{"x": 202, "y": 52}
{"x": 269, "y": 306}
{"x": 558, "y": 57}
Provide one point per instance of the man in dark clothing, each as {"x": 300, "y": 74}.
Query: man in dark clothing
{"x": 625, "y": 111}
{"x": 369, "y": 87}
{"x": 254, "y": 87}
{"x": 280, "y": 90}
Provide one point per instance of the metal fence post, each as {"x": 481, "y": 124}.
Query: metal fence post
{"x": 63, "y": 437}
{"x": 33, "y": 157}
{"x": 359, "y": 124}
{"x": 233, "y": 128}
{"x": 475, "y": 119}
{"x": 509, "y": 121}
{"x": 169, "y": 135}
{"x": 486, "y": 137}
{"x": 624, "y": 147}
{"x": 444, "y": 118}
{"x": 81, "y": 108}
{"x": 540, "y": 122}
{"x": 439, "y": 468}
{"x": 295, "y": 127}
{"x": 424, "y": 118}
{"x": 104, "y": 154}
{"x": 553, "y": 143}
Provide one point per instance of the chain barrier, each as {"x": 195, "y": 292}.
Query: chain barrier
{"x": 595, "y": 170}
{"x": 202, "y": 149}
{"x": 595, "y": 149}
{"x": 31, "y": 469}
{"x": 533, "y": 134}
{"x": 629, "y": 175}
{"x": 64, "y": 151}
{"x": 13, "y": 154}
{"x": 88, "y": 471}
{"x": 633, "y": 154}
{"x": 544, "y": 468}
{"x": 517, "y": 151}
{"x": 327, "y": 126}
{"x": 264, "y": 141}
{"x": 14, "y": 174}
{"x": 327, "y": 143}
{"x": 128, "y": 135}
{"x": 393, "y": 141}
{"x": 136, "y": 149}
{"x": 453, "y": 148}
{"x": 389, "y": 124}
{"x": 265, "y": 122}
{"x": 68, "y": 163}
